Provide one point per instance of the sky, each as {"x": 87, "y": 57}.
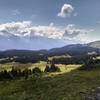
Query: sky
{"x": 45, "y": 24}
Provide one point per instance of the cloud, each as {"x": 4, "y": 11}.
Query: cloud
{"x": 16, "y": 12}
{"x": 73, "y": 33}
{"x": 66, "y": 10}
{"x": 27, "y": 30}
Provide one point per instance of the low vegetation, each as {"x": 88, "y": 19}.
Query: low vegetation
{"x": 49, "y": 81}
{"x": 72, "y": 85}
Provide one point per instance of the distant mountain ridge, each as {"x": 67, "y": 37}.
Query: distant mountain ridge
{"x": 95, "y": 44}
{"x": 73, "y": 50}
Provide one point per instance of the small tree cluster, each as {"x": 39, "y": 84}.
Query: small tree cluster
{"x": 14, "y": 73}
{"x": 52, "y": 68}
{"x": 89, "y": 63}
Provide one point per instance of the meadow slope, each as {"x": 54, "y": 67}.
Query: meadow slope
{"x": 68, "y": 85}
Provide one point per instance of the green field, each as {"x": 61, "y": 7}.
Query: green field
{"x": 8, "y": 66}
{"x": 69, "y": 84}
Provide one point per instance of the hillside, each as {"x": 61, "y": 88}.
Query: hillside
{"x": 70, "y": 85}
{"x": 95, "y": 44}
{"x": 26, "y": 56}
{"x": 73, "y": 49}
{"x": 77, "y": 49}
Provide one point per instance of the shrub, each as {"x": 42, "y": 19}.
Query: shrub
{"x": 26, "y": 73}
{"x": 47, "y": 69}
{"x": 52, "y": 68}
{"x": 36, "y": 70}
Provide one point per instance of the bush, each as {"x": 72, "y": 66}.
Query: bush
{"x": 52, "y": 68}
{"x": 5, "y": 75}
{"x": 26, "y": 73}
{"x": 86, "y": 67}
{"x": 14, "y": 72}
{"x": 47, "y": 69}
{"x": 36, "y": 70}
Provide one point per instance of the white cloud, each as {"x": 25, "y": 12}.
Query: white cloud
{"x": 26, "y": 29}
{"x": 15, "y": 12}
{"x": 74, "y": 33}
{"x": 66, "y": 10}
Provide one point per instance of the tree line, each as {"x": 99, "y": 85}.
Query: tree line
{"x": 15, "y": 73}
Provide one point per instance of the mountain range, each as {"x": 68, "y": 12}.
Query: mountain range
{"x": 73, "y": 50}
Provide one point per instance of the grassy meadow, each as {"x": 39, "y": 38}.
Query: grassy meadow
{"x": 69, "y": 84}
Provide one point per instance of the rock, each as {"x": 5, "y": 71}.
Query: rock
{"x": 97, "y": 90}
{"x": 97, "y": 96}
{"x": 89, "y": 98}
{"x": 94, "y": 95}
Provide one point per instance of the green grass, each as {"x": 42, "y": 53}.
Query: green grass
{"x": 8, "y": 66}
{"x": 70, "y": 84}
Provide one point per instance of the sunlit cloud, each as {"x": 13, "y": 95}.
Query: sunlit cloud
{"x": 66, "y": 10}
{"x": 26, "y": 29}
